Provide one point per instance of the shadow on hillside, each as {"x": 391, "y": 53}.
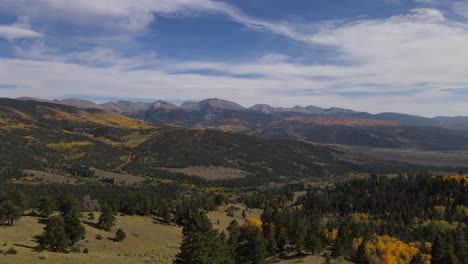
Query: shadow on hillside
{"x": 26, "y": 246}
{"x": 91, "y": 224}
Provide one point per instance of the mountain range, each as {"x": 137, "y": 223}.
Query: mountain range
{"x": 51, "y": 136}
{"x": 312, "y": 124}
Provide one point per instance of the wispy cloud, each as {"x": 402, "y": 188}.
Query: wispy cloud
{"x": 411, "y": 62}
{"x": 12, "y": 32}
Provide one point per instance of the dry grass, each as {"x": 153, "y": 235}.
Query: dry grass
{"x": 224, "y": 220}
{"x": 35, "y": 176}
{"x": 364, "y": 155}
{"x": 351, "y": 122}
{"x": 122, "y": 178}
{"x": 146, "y": 242}
{"x": 304, "y": 260}
{"x": 40, "y": 177}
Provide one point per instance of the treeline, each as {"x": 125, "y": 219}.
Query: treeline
{"x": 140, "y": 200}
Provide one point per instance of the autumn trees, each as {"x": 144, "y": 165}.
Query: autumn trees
{"x": 370, "y": 220}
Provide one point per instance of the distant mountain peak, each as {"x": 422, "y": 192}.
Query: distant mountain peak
{"x": 264, "y": 108}
{"x": 125, "y": 107}
{"x": 163, "y": 105}
{"x": 222, "y": 104}
{"x": 212, "y": 103}
{"x": 80, "y": 103}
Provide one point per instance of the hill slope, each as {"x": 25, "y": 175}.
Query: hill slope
{"x": 39, "y": 135}
{"x": 312, "y": 124}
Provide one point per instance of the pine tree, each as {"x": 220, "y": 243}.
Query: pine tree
{"x": 233, "y": 239}
{"x": 299, "y": 234}
{"x": 46, "y": 206}
{"x": 314, "y": 242}
{"x": 438, "y": 252}
{"x": 338, "y": 249}
{"x": 252, "y": 246}
{"x": 271, "y": 245}
{"x": 12, "y": 206}
{"x": 71, "y": 215}
{"x": 461, "y": 246}
{"x": 343, "y": 242}
{"x": 54, "y": 236}
{"x": 166, "y": 214}
{"x": 107, "y": 218}
{"x": 202, "y": 244}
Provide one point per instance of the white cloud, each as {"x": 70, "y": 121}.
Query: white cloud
{"x": 134, "y": 16}
{"x": 405, "y": 63}
{"x": 12, "y": 32}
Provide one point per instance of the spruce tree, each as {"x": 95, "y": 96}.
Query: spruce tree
{"x": 72, "y": 218}
{"x": 54, "y": 236}
{"x": 106, "y": 219}
{"x": 461, "y": 246}
{"x": 12, "y": 206}
{"x": 252, "y": 246}
{"x": 46, "y": 206}
{"x": 233, "y": 239}
{"x": 314, "y": 242}
{"x": 202, "y": 244}
{"x": 438, "y": 251}
{"x": 299, "y": 234}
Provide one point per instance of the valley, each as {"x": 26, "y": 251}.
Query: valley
{"x": 286, "y": 189}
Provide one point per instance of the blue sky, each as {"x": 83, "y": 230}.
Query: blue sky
{"x": 406, "y": 56}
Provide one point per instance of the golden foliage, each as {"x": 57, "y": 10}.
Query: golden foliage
{"x": 458, "y": 178}
{"x": 68, "y": 145}
{"x": 114, "y": 120}
{"x": 360, "y": 217}
{"x": 331, "y": 235}
{"x": 356, "y": 243}
{"x": 387, "y": 249}
{"x": 298, "y": 207}
{"x": 253, "y": 221}
{"x": 98, "y": 117}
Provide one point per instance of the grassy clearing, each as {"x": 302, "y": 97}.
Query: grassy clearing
{"x": 210, "y": 172}
{"x": 146, "y": 242}
{"x": 40, "y": 177}
{"x": 366, "y": 155}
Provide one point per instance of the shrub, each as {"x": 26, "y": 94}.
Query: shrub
{"x": 91, "y": 216}
{"x": 99, "y": 237}
{"x": 119, "y": 235}
{"x": 11, "y": 251}
{"x": 85, "y": 251}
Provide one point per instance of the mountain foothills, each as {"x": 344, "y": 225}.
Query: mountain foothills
{"x": 42, "y": 135}
{"x": 311, "y": 124}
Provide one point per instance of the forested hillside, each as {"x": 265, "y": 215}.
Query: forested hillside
{"x": 37, "y": 135}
